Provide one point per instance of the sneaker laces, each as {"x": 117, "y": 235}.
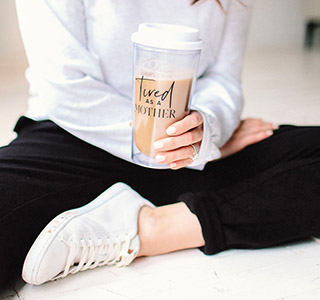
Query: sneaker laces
{"x": 97, "y": 253}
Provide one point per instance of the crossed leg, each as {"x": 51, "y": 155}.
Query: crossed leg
{"x": 261, "y": 196}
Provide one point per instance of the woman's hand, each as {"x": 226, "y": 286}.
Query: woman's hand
{"x": 176, "y": 150}
{"x": 250, "y": 131}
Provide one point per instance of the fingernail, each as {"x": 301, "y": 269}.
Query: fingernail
{"x": 275, "y": 126}
{"x": 269, "y": 132}
{"x": 171, "y": 130}
{"x": 172, "y": 165}
{"x": 158, "y": 145}
{"x": 160, "y": 158}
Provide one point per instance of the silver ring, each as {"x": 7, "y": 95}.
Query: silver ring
{"x": 196, "y": 153}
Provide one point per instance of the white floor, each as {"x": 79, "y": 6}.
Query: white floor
{"x": 281, "y": 86}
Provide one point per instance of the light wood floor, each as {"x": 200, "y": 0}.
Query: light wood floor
{"x": 281, "y": 86}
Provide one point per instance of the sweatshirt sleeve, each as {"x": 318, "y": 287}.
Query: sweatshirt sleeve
{"x": 68, "y": 77}
{"x": 218, "y": 95}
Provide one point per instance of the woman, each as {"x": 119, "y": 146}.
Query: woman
{"x": 75, "y": 145}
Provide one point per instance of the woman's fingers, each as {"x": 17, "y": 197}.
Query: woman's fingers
{"x": 250, "y": 131}
{"x": 176, "y": 150}
{"x": 180, "y": 164}
{"x": 252, "y": 124}
{"x": 253, "y": 127}
{"x": 253, "y": 138}
{"x": 175, "y": 142}
{"x": 253, "y": 131}
{"x": 177, "y": 158}
{"x": 187, "y": 123}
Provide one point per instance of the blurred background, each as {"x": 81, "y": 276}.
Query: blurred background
{"x": 281, "y": 76}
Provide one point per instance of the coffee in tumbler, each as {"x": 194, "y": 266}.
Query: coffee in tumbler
{"x": 166, "y": 60}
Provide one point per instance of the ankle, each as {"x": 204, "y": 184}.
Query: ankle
{"x": 168, "y": 228}
{"x": 148, "y": 222}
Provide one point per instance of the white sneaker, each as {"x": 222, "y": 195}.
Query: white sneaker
{"x": 103, "y": 232}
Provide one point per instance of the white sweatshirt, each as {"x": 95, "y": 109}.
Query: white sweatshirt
{"x": 80, "y": 65}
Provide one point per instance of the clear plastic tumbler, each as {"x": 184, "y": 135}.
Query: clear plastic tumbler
{"x": 165, "y": 65}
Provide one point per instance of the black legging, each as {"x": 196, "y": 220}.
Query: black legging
{"x": 266, "y": 194}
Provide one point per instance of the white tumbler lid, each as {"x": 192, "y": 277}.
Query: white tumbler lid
{"x": 168, "y": 36}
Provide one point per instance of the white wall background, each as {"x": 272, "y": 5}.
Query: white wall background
{"x": 11, "y": 48}
{"x": 275, "y": 23}
{"x": 312, "y": 8}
